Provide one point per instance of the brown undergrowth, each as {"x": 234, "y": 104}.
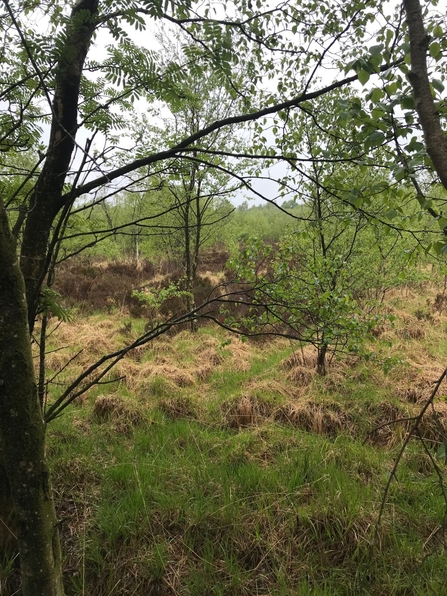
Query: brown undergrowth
{"x": 175, "y": 373}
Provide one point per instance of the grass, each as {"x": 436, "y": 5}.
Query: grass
{"x": 192, "y": 509}
{"x": 217, "y": 467}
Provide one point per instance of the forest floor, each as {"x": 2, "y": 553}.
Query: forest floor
{"x": 220, "y": 467}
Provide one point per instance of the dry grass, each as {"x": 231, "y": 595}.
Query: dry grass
{"x": 90, "y": 340}
{"x": 323, "y": 419}
{"x": 241, "y": 354}
{"x": 246, "y": 411}
{"x": 259, "y": 403}
{"x": 119, "y": 412}
{"x": 163, "y": 370}
{"x": 172, "y": 374}
{"x": 215, "y": 278}
{"x": 434, "y": 424}
{"x": 129, "y": 370}
{"x": 386, "y": 430}
{"x": 293, "y": 525}
{"x": 414, "y": 383}
{"x": 179, "y": 407}
{"x": 305, "y": 358}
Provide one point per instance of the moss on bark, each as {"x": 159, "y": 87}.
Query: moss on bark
{"x": 22, "y": 434}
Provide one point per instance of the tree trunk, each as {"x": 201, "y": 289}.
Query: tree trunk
{"x": 22, "y": 434}
{"x": 187, "y": 256}
{"x": 435, "y": 139}
{"x": 321, "y": 360}
{"x": 48, "y": 198}
{"x": 190, "y": 302}
{"x": 8, "y": 531}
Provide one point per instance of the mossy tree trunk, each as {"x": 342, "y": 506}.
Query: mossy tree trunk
{"x": 22, "y": 434}
{"x": 22, "y": 429}
{"x": 8, "y": 542}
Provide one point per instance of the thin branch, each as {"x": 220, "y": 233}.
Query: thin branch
{"x": 414, "y": 429}
{"x": 218, "y": 124}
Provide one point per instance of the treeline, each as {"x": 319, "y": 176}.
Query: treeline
{"x": 133, "y": 229}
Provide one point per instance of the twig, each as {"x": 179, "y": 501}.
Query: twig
{"x": 414, "y": 429}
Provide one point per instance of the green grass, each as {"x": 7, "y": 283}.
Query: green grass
{"x": 209, "y": 511}
{"x": 166, "y": 495}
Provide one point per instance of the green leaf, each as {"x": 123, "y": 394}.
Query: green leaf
{"x": 436, "y": 84}
{"x": 415, "y": 145}
{"x": 438, "y": 246}
{"x": 49, "y": 304}
{"x": 355, "y": 198}
{"x": 376, "y": 50}
{"x": 399, "y": 173}
{"x": 363, "y": 76}
{"x": 407, "y": 102}
{"x": 376, "y": 95}
{"x": 377, "y": 113}
{"x": 376, "y": 138}
{"x": 391, "y": 214}
{"x": 435, "y": 50}
{"x": 392, "y": 88}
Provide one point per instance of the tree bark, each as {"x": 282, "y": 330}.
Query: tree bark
{"x": 22, "y": 430}
{"x": 47, "y": 199}
{"x": 8, "y": 532}
{"x": 435, "y": 137}
{"x": 321, "y": 360}
{"x": 22, "y": 434}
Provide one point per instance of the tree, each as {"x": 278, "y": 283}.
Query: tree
{"x": 196, "y": 190}
{"x": 429, "y": 110}
{"x": 319, "y": 283}
{"x": 49, "y": 79}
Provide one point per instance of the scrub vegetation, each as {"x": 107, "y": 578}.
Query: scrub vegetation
{"x": 210, "y": 465}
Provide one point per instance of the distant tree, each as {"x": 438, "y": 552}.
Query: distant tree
{"x": 196, "y": 190}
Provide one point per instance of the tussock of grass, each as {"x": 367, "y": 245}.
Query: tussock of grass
{"x": 240, "y": 353}
{"x": 323, "y": 419}
{"x": 300, "y": 376}
{"x": 129, "y": 371}
{"x": 116, "y": 409}
{"x": 177, "y": 376}
{"x": 179, "y": 407}
{"x": 306, "y": 357}
{"x": 434, "y": 424}
{"x": 246, "y": 411}
{"x": 414, "y": 381}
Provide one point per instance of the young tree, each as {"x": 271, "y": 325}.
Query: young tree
{"x": 51, "y": 77}
{"x": 315, "y": 285}
{"x": 196, "y": 190}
